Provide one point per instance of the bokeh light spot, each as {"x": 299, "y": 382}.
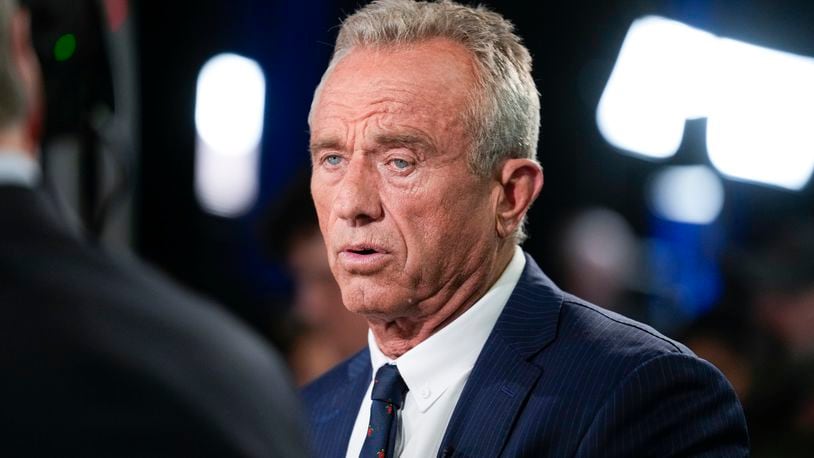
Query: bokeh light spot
{"x": 65, "y": 47}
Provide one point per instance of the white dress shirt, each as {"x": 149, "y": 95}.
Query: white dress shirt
{"x": 17, "y": 168}
{"x": 436, "y": 370}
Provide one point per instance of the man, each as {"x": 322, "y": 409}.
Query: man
{"x": 423, "y": 139}
{"x": 101, "y": 357}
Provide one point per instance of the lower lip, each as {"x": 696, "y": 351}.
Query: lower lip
{"x": 362, "y": 263}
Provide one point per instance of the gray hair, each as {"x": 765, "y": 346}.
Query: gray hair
{"x": 12, "y": 93}
{"x": 504, "y": 116}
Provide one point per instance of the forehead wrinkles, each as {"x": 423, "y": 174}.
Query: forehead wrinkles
{"x": 343, "y": 122}
{"x": 352, "y": 89}
{"x": 353, "y": 111}
{"x": 338, "y": 122}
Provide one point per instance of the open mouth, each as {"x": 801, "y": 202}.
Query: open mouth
{"x": 364, "y": 251}
{"x": 362, "y": 258}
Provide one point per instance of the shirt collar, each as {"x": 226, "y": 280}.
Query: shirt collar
{"x": 17, "y": 168}
{"x": 432, "y": 366}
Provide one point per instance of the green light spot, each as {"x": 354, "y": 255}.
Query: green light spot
{"x": 65, "y": 47}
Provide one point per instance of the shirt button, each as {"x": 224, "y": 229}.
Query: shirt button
{"x": 426, "y": 392}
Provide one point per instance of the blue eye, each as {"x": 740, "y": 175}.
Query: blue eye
{"x": 333, "y": 159}
{"x": 400, "y": 164}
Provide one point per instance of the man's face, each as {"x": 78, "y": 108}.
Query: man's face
{"x": 405, "y": 221}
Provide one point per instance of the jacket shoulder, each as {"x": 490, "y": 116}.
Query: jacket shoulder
{"x": 613, "y": 334}
{"x": 338, "y": 376}
{"x": 596, "y": 349}
{"x": 609, "y": 380}
{"x": 92, "y": 317}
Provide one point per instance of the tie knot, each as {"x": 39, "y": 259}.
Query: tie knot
{"x": 388, "y": 386}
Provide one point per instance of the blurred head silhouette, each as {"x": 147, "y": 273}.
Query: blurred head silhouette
{"x": 20, "y": 82}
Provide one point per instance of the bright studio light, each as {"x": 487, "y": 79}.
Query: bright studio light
{"x": 651, "y": 91}
{"x": 229, "y": 112}
{"x": 759, "y": 103}
{"x": 761, "y": 126}
{"x": 687, "y": 194}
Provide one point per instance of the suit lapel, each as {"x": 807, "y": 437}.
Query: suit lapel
{"x": 503, "y": 376}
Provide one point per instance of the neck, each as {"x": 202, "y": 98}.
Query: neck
{"x": 398, "y": 336}
{"x": 14, "y": 138}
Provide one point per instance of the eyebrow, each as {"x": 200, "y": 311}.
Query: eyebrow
{"x": 411, "y": 141}
{"x": 328, "y": 143}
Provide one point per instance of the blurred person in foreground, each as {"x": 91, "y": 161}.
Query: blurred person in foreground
{"x": 326, "y": 332}
{"x": 423, "y": 141}
{"x": 102, "y": 357}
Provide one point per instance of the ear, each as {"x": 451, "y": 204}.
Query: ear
{"x": 520, "y": 182}
{"x": 28, "y": 70}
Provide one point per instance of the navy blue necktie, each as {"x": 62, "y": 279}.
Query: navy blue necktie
{"x": 388, "y": 394}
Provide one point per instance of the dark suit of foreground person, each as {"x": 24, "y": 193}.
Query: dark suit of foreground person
{"x": 101, "y": 357}
{"x": 423, "y": 141}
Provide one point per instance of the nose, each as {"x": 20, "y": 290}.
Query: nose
{"x": 357, "y": 200}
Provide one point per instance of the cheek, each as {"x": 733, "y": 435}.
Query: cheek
{"x": 465, "y": 223}
{"x": 441, "y": 200}
{"x": 432, "y": 224}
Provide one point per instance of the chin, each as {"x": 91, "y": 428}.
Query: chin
{"x": 375, "y": 300}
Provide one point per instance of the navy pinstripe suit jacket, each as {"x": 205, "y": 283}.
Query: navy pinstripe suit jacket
{"x": 561, "y": 377}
